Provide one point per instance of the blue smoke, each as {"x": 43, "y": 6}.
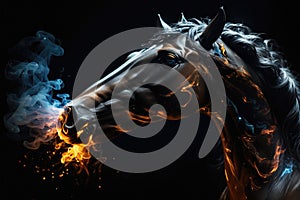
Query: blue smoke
{"x": 33, "y": 110}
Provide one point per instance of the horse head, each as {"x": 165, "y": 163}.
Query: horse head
{"x": 260, "y": 138}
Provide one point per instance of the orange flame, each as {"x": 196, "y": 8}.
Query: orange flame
{"x": 77, "y": 153}
{"x": 273, "y": 163}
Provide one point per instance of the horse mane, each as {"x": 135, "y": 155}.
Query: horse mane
{"x": 277, "y": 81}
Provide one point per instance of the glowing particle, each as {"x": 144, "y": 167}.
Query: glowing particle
{"x": 44, "y": 178}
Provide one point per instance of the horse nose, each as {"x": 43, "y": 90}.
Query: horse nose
{"x": 66, "y": 126}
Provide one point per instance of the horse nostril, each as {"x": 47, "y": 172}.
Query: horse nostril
{"x": 67, "y": 127}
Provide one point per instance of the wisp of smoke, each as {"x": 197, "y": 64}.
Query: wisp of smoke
{"x": 33, "y": 109}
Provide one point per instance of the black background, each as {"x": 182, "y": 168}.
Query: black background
{"x": 80, "y": 26}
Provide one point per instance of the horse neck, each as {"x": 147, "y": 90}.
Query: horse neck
{"x": 251, "y": 141}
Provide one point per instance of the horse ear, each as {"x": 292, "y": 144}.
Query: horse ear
{"x": 213, "y": 30}
{"x": 164, "y": 24}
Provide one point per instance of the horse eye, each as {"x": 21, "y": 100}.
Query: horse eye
{"x": 168, "y": 58}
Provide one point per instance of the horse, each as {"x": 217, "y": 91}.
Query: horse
{"x": 260, "y": 140}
